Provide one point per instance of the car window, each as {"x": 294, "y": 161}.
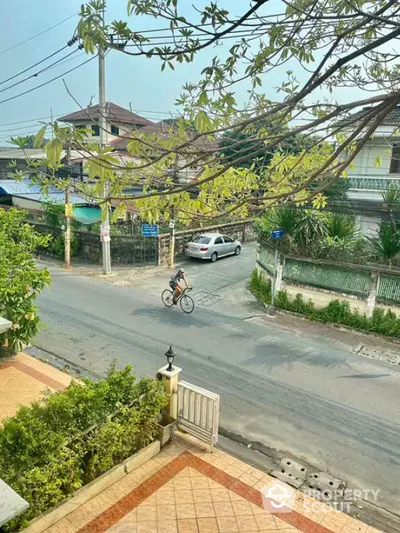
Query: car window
{"x": 219, "y": 240}
{"x": 227, "y": 239}
{"x": 202, "y": 240}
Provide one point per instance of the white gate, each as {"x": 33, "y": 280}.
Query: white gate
{"x": 198, "y": 412}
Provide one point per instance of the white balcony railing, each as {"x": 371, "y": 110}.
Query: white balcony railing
{"x": 373, "y": 183}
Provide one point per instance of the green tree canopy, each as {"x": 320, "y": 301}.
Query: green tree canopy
{"x": 21, "y": 280}
{"x": 309, "y": 49}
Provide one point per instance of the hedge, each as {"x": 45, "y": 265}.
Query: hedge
{"x": 336, "y": 312}
{"x": 55, "y": 446}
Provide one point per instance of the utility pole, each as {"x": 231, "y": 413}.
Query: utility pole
{"x": 105, "y": 226}
{"x": 172, "y": 222}
{"x": 68, "y": 211}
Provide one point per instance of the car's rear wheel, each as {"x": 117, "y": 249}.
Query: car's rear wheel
{"x": 237, "y": 250}
{"x": 214, "y": 257}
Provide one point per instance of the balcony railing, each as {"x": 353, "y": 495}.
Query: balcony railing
{"x": 373, "y": 183}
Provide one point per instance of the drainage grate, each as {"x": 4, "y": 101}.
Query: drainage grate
{"x": 374, "y": 353}
{"x": 206, "y": 299}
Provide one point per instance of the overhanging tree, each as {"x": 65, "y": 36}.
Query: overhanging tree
{"x": 328, "y": 44}
{"x": 21, "y": 280}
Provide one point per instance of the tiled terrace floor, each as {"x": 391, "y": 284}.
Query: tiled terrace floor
{"x": 187, "y": 490}
{"x": 24, "y": 379}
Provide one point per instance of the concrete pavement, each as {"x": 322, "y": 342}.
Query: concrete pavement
{"x": 300, "y": 394}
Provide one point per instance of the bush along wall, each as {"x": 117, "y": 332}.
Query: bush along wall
{"x": 53, "y": 447}
{"x": 336, "y": 312}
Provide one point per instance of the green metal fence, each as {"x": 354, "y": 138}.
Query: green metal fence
{"x": 266, "y": 258}
{"x": 389, "y": 288}
{"x": 332, "y": 278}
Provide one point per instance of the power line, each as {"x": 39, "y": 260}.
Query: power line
{"x": 47, "y": 82}
{"x": 6, "y": 138}
{"x": 67, "y": 60}
{"x": 38, "y": 34}
{"x": 33, "y": 66}
{"x": 55, "y": 63}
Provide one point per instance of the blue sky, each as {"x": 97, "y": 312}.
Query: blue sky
{"x": 138, "y": 80}
{"x": 135, "y": 80}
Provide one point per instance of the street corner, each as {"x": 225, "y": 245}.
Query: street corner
{"x": 278, "y": 497}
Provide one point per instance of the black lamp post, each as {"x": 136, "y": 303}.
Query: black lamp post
{"x": 170, "y": 355}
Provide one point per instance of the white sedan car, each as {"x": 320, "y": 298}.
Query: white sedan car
{"x": 212, "y": 246}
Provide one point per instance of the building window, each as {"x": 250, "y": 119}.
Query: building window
{"x": 114, "y": 130}
{"x": 395, "y": 161}
{"x": 95, "y": 130}
{"x": 79, "y": 127}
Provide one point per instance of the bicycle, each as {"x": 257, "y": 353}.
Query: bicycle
{"x": 185, "y": 301}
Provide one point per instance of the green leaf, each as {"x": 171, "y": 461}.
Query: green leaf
{"x": 203, "y": 98}
{"x": 378, "y": 161}
{"x": 40, "y": 136}
{"x": 202, "y": 122}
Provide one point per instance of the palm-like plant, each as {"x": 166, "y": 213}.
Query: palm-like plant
{"x": 310, "y": 230}
{"x": 343, "y": 227}
{"x": 391, "y": 198}
{"x": 283, "y": 218}
{"x": 386, "y": 244}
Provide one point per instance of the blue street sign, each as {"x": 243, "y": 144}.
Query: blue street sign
{"x": 149, "y": 230}
{"x": 277, "y": 233}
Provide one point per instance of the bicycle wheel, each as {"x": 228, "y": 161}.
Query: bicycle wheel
{"x": 167, "y": 298}
{"x": 187, "y": 304}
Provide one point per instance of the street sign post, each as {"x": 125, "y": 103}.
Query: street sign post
{"x": 150, "y": 230}
{"x": 276, "y": 234}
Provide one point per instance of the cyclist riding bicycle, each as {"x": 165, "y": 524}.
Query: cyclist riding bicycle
{"x": 175, "y": 283}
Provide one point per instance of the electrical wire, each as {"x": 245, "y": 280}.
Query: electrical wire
{"x": 56, "y": 63}
{"x": 33, "y": 66}
{"x": 38, "y": 34}
{"x": 68, "y": 60}
{"x": 47, "y": 82}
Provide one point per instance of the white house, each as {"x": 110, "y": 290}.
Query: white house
{"x": 119, "y": 121}
{"x": 376, "y": 167}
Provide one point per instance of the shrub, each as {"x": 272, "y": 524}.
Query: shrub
{"x": 56, "y": 247}
{"x": 336, "y": 312}
{"x": 20, "y": 278}
{"x": 55, "y": 446}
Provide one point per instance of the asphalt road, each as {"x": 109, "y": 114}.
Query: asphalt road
{"x": 279, "y": 387}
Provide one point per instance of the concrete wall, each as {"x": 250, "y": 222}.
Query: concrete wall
{"x": 321, "y": 297}
{"x": 23, "y": 203}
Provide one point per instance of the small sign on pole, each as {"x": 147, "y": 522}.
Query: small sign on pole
{"x": 277, "y": 233}
{"x": 150, "y": 230}
{"x": 69, "y": 210}
{"x": 106, "y": 236}
{"x": 172, "y": 224}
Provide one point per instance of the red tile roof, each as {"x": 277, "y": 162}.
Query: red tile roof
{"x": 113, "y": 113}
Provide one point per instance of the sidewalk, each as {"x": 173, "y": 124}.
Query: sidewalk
{"x": 187, "y": 490}
{"x": 24, "y": 379}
